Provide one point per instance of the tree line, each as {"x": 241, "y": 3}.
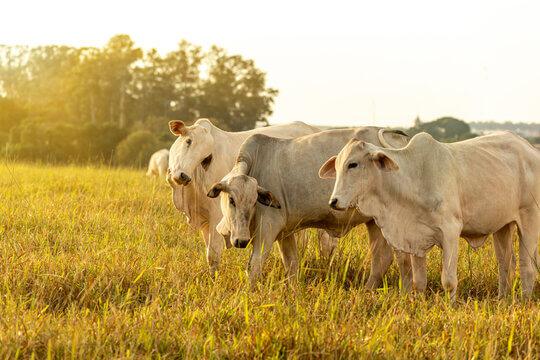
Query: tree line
{"x": 112, "y": 104}
{"x": 449, "y": 129}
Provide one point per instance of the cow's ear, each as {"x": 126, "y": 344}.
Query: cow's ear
{"x": 383, "y": 161}
{"x": 266, "y": 198}
{"x": 216, "y": 190}
{"x": 328, "y": 170}
{"x": 177, "y": 127}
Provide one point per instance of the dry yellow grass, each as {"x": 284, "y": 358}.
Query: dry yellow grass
{"x": 96, "y": 262}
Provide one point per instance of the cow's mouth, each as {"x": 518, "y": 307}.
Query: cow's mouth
{"x": 206, "y": 162}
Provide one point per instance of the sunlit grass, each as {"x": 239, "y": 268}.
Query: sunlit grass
{"x": 96, "y": 262}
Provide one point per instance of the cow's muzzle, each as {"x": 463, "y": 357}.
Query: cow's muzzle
{"x": 334, "y": 204}
{"x": 241, "y": 243}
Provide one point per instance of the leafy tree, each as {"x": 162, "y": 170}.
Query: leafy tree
{"x": 38, "y": 140}
{"x": 37, "y": 78}
{"x": 11, "y": 114}
{"x": 118, "y": 58}
{"x": 235, "y": 92}
{"x": 61, "y": 103}
{"x": 88, "y": 100}
{"x": 97, "y": 142}
{"x": 137, "y": 148}
{"x": 168, "y": 86}
{"x": 158, "y": 126}
{"x": 444, "y": 129}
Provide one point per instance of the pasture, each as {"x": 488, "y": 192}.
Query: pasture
{"x": 96, "y": 262}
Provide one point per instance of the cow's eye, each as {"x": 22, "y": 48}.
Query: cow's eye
{"x": 231, "y": 201}
{"x": 352, "y": 165}
{"x": 188, "y": 142}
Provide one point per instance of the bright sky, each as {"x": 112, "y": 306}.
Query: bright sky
{"x": 334, "y": 62}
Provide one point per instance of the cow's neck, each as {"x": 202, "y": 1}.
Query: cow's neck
{"x": 226, "y": 146}
{"x": 396, "y": 198}
{"x": 370, "y": 203}
{"x": 388, "y": 190}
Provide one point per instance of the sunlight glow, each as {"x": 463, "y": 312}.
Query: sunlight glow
{"x": 339, "y": 62}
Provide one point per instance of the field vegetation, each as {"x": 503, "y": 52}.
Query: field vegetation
{"x": 95, "y": 262}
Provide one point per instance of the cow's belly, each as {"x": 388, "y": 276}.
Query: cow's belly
{"x": 475, "y": 240}
{"x": 490, "y": 207}
{"x": 487, "y": 222}
{"x": 336, "y": 223}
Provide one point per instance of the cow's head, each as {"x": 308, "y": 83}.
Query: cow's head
{"x": 239, "y": 196}
{"x": 357, "y": 170}
{"x": 193, "y": 147}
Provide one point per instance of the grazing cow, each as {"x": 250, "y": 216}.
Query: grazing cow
{"x": 281, "y": 175}
{"x": 429, "y": 193}
{"x": 158, "y": 164}
{"x": 201, "y": 155}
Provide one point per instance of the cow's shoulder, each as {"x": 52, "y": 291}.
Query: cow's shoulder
{"x": 257, "y": 145}
{"x": 256, "y": 141}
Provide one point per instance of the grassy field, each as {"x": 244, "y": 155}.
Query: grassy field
{"x": 96, "y": 262}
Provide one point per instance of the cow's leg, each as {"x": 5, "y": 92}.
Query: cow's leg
{"x": 449, "y": 277}
{"x": 381, "y": 255}
{"x": 327, "y": 243}
{"x": 205, "y": 230}
{"x": 528, "y": 251}
{"x": 302, "y": 239}
{"x": 419, "y": 271}
{"x": 262, "y": 242}
{"x": 206, "y": 236}
{"x": 405, "y": 270}
{"x": 502, "y": 243}
{"x": 214, "y": 248}
{"x": 289, "y": 255}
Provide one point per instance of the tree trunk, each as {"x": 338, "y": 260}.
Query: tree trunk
{"x": 92, "y": 108}
{"x": 122, "y": 108}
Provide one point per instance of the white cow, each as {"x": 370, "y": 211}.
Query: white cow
{"x": 158, "y": 164}
{"x": 281, "y": 175}
{"x": 201, "y": 155}
{"x": 429, "y": 193}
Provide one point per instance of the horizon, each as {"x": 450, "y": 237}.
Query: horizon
{"x": 375, "y": 64}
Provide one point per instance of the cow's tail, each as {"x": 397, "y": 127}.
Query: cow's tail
{"x": 383, "y": 141}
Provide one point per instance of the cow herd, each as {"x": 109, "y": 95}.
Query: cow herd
{"x": 265, "y": 185}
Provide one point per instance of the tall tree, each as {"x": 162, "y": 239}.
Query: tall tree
{"x": 37, "y": 78}
{"x": 60, "y": 102}
{"x": 168, "y": 86}
{"x": 235, "y": 91}
{"x": 11, "y": 114}
{"x": 119, "y": 57}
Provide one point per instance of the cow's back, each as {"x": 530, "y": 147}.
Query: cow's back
{"x": 289, "y": 168}
{"x": 229, "y": 143}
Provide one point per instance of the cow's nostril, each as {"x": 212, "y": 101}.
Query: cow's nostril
{"x": 240, "y": 243}
{"x": 333, "y": 203}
